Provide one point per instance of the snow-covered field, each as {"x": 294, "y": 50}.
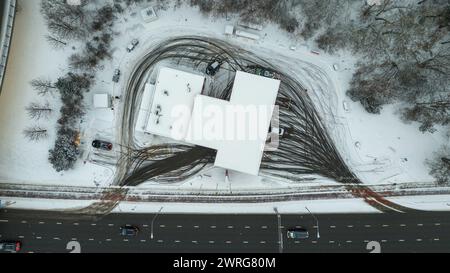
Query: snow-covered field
{"x": 389, "y": 151}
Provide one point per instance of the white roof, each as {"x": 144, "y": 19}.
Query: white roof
{"x": 236, "y": 129}
{"x": 101, "y": 101}
{"x": 229, "y": 29}
{"x": 172, "y": 103}
{"x": 144, "y": 111}
{"x": 149, "y": 14}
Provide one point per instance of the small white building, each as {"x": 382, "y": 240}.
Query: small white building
{"x": 102, "y": 101}
{"x": 229, "y": 30}
{"x": 149, "y": 15}
{"x": 248, "y": 35}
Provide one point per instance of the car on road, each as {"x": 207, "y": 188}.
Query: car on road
{"x": 129, "y": 231}
{"x": 10, "y": 246}
{"x": 132, "y": 45}
{"x": 213, "y": 67}
{"x": 297, "y": 233}
{"x": 116, "y": 76}
{"x": 102, "y": 145}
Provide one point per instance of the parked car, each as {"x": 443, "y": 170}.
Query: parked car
{"x": 213, "y": 67}
{"x": 132, "y": 45}
{"x": 102, "y": 145}
{"x": 129, "y": 231}
{"x": 297, "y": 233}
{"x": 278, "y": 131}
{"x": 263, "y": 72}
{"x": 345, "y": 106}
{"x": 336, "y": 67}
{"x": 116, "y": 76}
{"x": 10, "y": 246}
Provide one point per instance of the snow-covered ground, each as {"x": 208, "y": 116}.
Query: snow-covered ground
{"x": 385, "y": 142}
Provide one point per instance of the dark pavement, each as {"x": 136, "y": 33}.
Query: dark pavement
{"x": 50, "y": 232}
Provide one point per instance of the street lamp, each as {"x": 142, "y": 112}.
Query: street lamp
{"x": 317, "y": 222}
{"x": 153, "y": 221}
{"x": 280, "y": 234}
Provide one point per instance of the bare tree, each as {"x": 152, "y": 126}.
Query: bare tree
{"x": 38, "y": 111}
{"x": 35, "y": 133}
{"x": 55, "y": 42}
{"x": 43, "y": 86}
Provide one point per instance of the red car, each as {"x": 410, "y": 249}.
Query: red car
{"x": 103, "y": 145}
{"x": 10, "y": 246}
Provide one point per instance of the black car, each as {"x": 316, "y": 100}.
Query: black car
{"x": 129, "y": 231}
{"x": 9, "y": 246}
{"x": 213, "y": 67}
{"x": 103, "y": 145}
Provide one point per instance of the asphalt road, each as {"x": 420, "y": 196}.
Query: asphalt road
{"x": 49, "y": 232}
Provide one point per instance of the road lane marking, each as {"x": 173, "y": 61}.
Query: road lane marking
{"x": 111, "y": 225}
{"x": 420, "y": 225}
{"x": 230, "y": 227}
{"x": 402, "y": 225}
{"x": 41, "y": 223}
{"x": 314, "y": 242}
{"x": 331, "y": 242}
{"x": 4, "y": 221}
{"x": 211, "y": 242}
{"x": 436, "y": 239}
{"x": 332, "y": 226}
{"x": 38, "y": 238}
{"x": 367, "y": 226}
{"x": 162, "y": 226}
{"x": 385, "y": 225}
{"x": 56, "y": 238}
{"x": 383, "y": 241}
{"x": 245, "y": 242}
{"x": 93, "y": 224}
{"x": 419, "y": 240}
{"x": 24, "y": 222}
{"x": 21, "y": 237}
{"x": 262, "y": 242}
{"x": 76, "y": 224}
{"x": 179, "y": 226}
{"x": 194, "y": 242}
{"x": 108, "y": 240}
{"x": 437, "y": 224}
{"x": 74, "y": 239}
{"x": 297, "y": 242}
{"x": 350, "y": 226}
{"x": 247, "y": 227}
{"x": 91, "y": 239}
{"x": 213, "y": 226}
{"x": 177, "y": 241}
{"x": 265, "y": 227}
{"x": 348, "y": 241}
{"x": 126, "y": 240}
{"x": 228, "y": 242}
{"x": 143, "y": 241}
{"x": 401, "y": 240}
{"x": 160, "y": 241}
{"x": 145, "y": 225}
{"x": 59, "y": 223}
{"x": 196, "y": 227}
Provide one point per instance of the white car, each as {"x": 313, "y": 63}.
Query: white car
{"x": 345, "y": 106}
{"x": 335, "y": 67}
{"x": 132, "y": 45}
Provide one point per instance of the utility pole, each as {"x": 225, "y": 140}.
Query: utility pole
{"x": 280, "y": 233}
{"x": 153, "y": 222}
{"x": 317, "y": 222}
